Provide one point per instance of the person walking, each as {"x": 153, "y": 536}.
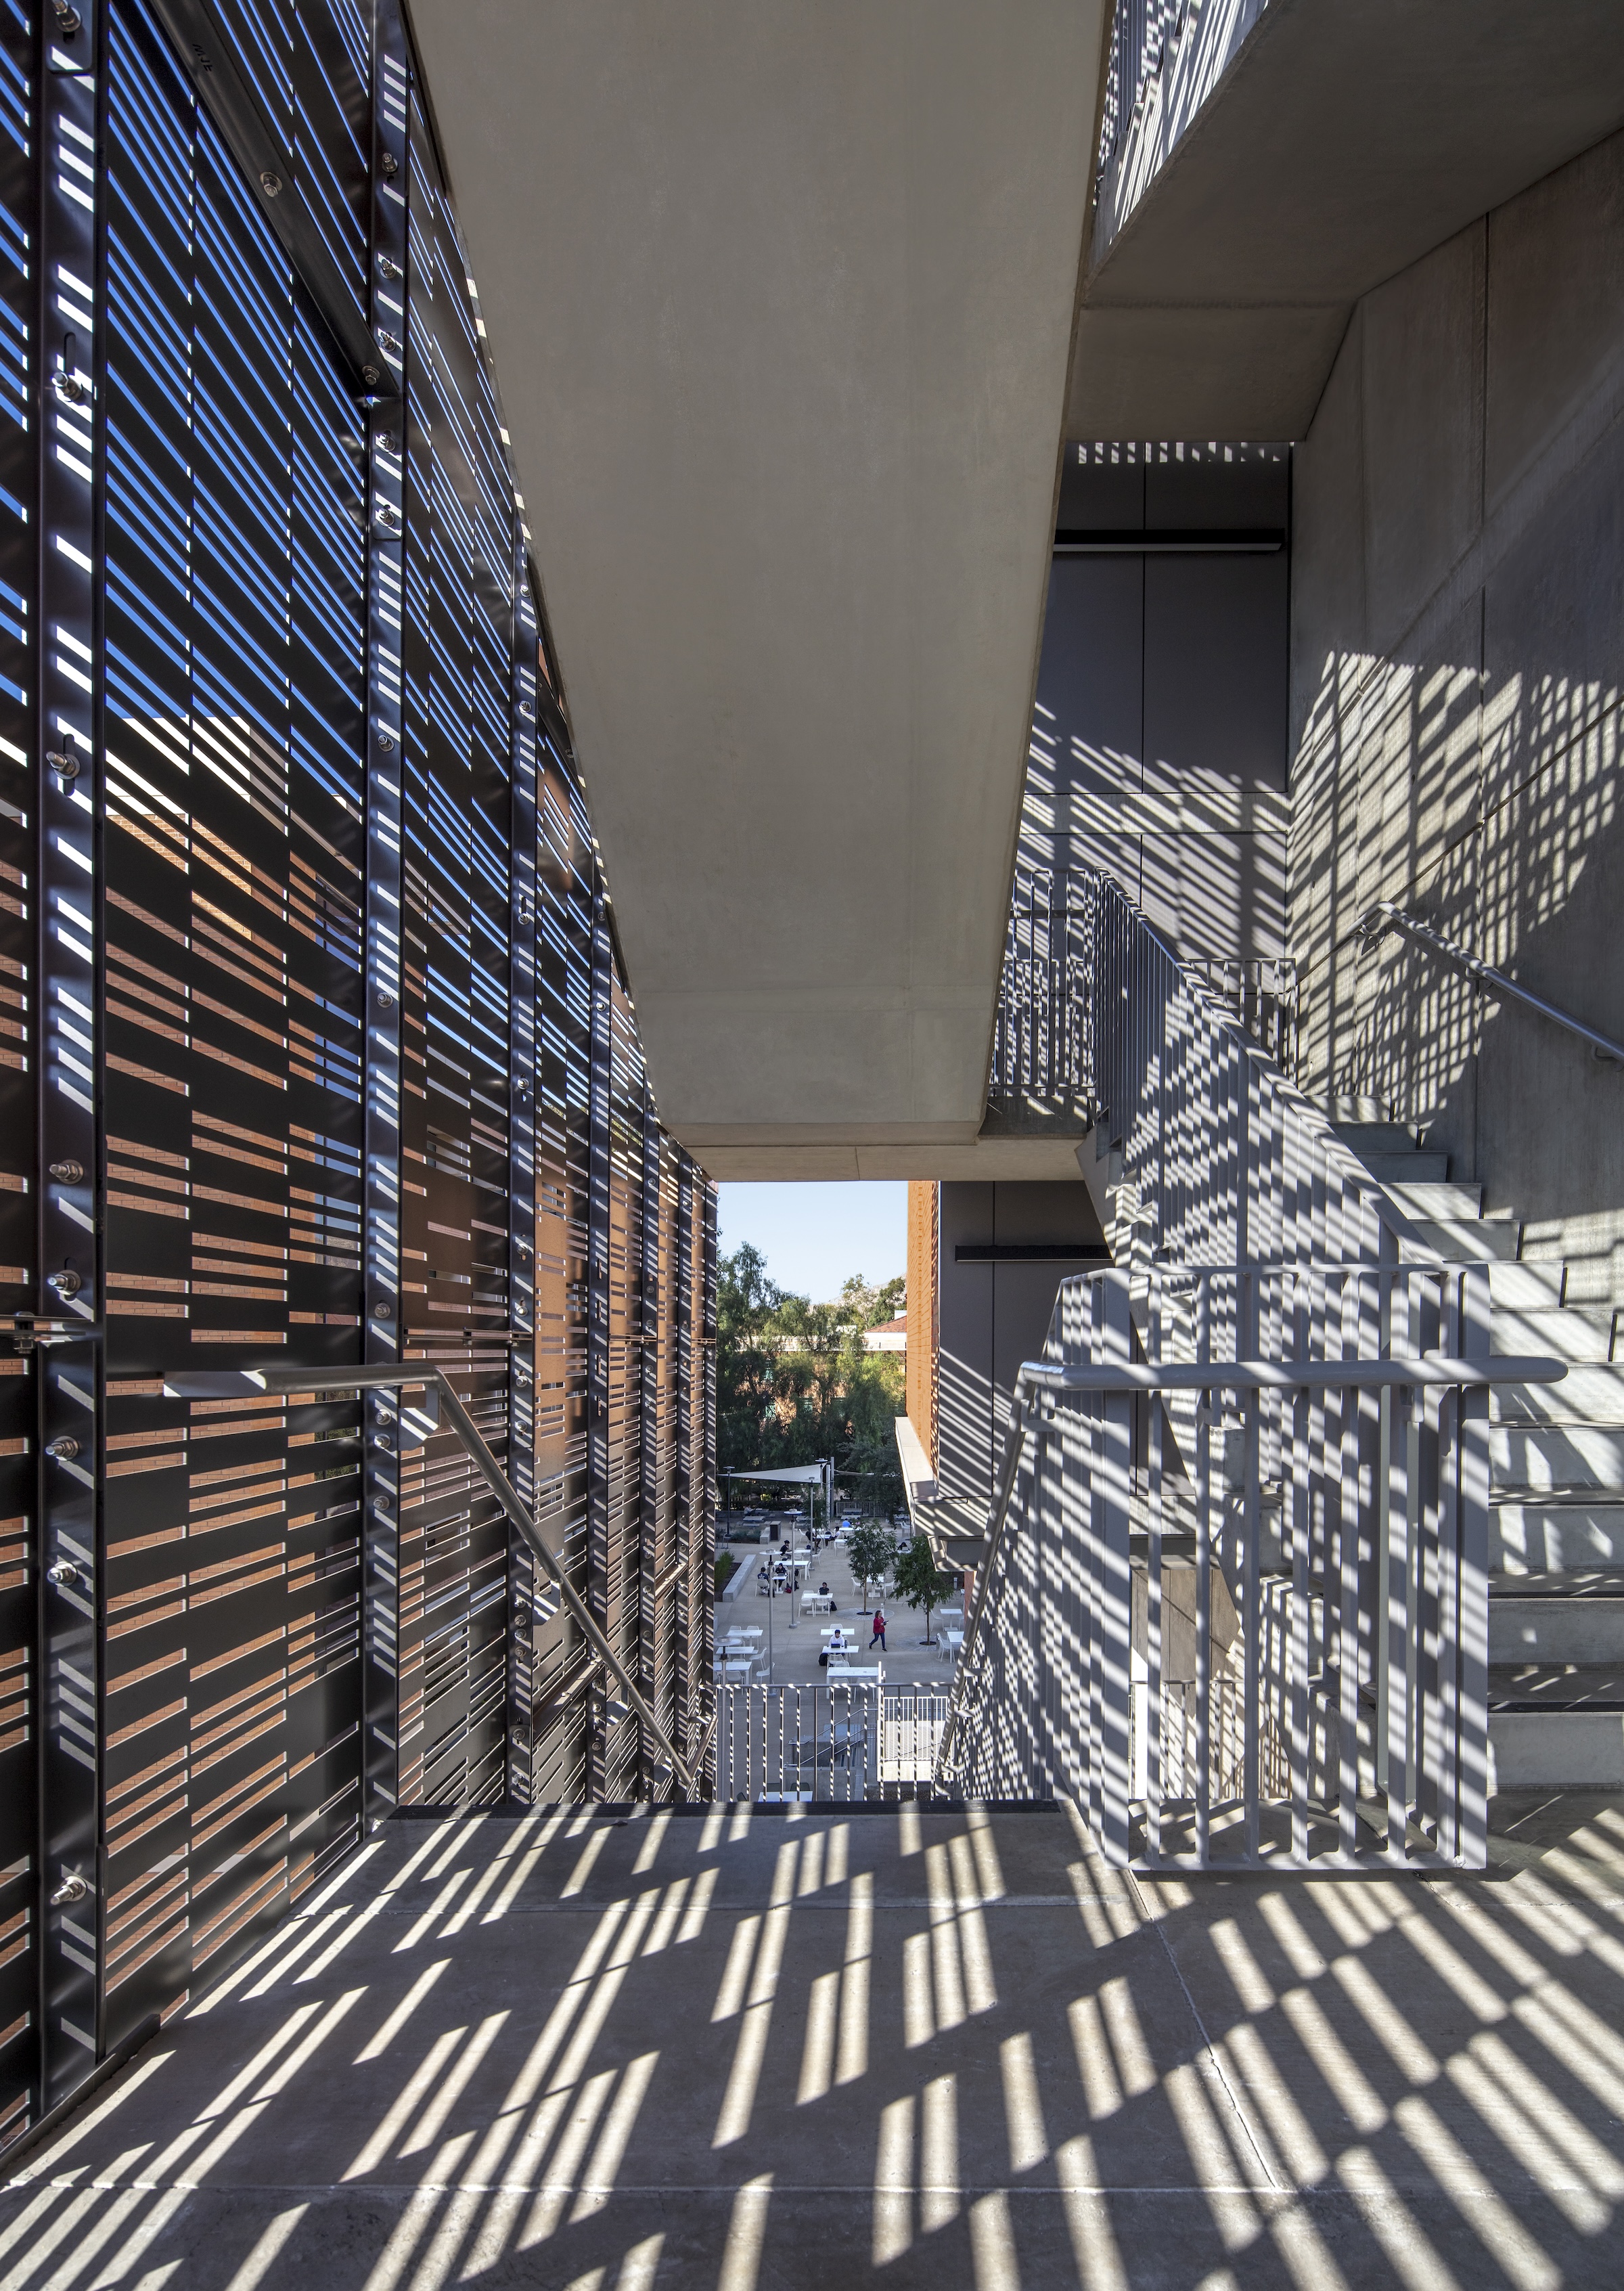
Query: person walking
{"x": 878, "y": 1638}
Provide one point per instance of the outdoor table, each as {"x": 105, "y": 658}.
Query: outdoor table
{"x": 736, "y": 1671}
{"x": 847, "y": 1671}
{"x": 817, "y": 1603}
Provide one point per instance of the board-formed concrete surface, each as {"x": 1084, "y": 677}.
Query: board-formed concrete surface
{"x": 744, "y": 2051}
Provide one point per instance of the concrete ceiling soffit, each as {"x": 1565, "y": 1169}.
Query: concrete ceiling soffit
{"x": 780, "y": 301}
{"x": 1341, "y": 141}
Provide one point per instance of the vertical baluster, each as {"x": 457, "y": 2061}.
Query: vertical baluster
{"x": 1153, "y": 1598}
{"x": 1300, "y": 1592}
{"x": 1203, "y": 1577}
{"x": 1397, "y": 1622}
{"x": 1472, "y": 1448}
{"x": 1347, "y": 1643}
{"x": 1252, "y": 1529}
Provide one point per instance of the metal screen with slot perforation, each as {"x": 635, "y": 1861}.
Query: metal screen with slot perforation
{"x": 313, "y": 1048}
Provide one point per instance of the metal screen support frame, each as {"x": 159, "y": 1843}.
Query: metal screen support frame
{"x": 600, "y": 1083}
{"x": 521, "y": 1171}
{"x": 69, "y": 380}
{"x": 381, "y": 1299}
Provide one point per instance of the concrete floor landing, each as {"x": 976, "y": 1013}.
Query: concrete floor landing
{"x": 734, "y": 2051}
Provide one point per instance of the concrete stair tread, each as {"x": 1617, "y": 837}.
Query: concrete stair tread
{"x": 1591, "y": 1394}
{"x": 1422, "y": 1199}
{"x": 1461, "y": 1240}
{"x": 1362, "y": 1137}
{"x": 1526, "y": 1287}
{"x": 1533, "y": 1687}
{"x": 1564, "y": 1583}
{"x": 1580, "y": 1334}
{"x": 1408, "y": 1170}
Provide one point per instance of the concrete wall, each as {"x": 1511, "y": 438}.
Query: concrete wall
{"x": 1158, "y": 746}
{"x": 992, "y": 1317}
{"x": 1458, "y": 639}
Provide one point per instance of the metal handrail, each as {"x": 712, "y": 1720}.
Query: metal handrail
{"x": 1385, "y": 917}
{"x": 1035, "y": 1377}
{"x": 211, "y": 1384}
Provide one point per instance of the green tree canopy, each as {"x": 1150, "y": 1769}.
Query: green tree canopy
{"x": 794, "y": 1383}
{"x": 917, "y": 1578}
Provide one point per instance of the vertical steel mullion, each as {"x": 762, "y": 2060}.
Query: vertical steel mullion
{"x": 68, "y": 379}
{"x": 602, "y": 1582}
{"x": 650, "y": 1452}
{"x": 387, "y": 510}
{"x": 522, "y": 836}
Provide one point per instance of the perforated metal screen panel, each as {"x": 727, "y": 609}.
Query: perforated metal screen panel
{"x": 313, "y": 1044}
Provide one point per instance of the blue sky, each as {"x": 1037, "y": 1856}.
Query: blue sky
{"x": 813, "y": 1237}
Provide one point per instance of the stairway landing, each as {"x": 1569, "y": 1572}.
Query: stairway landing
{"x": 743, "y": 2051}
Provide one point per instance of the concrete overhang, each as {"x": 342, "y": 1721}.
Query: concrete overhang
{"x": 780, "y": 301}
{"x": 1049, "y": 1159}
{"x": 1288, "y": 157}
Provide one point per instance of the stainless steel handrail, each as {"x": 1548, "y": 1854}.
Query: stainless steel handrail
{"x": 211, "y": 1384}
{"x": 1036, "y": 1377}
{"x": 1385, "y": 917}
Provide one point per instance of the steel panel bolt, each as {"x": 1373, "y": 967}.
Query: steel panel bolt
{"x": 64, "y": 1450}
{"x": 73, "y": 1890}
{"x": 66, "y": 1284}
{"x": 271, "y": 185}
{"x": 67, "y": 1173}
{"x": 65, "y": 1575}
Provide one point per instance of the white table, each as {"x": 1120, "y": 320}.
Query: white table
{"x": 817, "y": 1603}
{"x": 847, "y": 1671}
{"x": 952, "y": 1642}
{"x": 736, "y": 1671}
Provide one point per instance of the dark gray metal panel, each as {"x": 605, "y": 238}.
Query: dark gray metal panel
{"x": 1216, "y": 669}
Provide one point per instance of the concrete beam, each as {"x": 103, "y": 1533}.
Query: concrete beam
{"x": 780, "y": 302}
{"x": 1049, "y": 1158}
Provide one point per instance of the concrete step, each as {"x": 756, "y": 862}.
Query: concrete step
{"x": 1438, "y": 1201}
{"x": 1557, "y": 1725}
{"x": 1580, "y": 1749}
{"x": 1561, "y": 1619}
{"x": 1530, "y": 1461}
{"x": 1464, "y": 1241}
{"x": 1362, "y": 1137}
{"x": 1357, "y": 1110}
{"x": 1568, "y": 1332}
{"x": 1408, "y": 1170}
{"x": 1539, "y": 1538}
{"x": 1528, "y": 1287}
{"x": 1590, "y": 1393}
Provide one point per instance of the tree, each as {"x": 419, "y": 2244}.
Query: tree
{"x": 794, "y": 1383}
{"x": 869, "y": 1554}
{"x": 918, "y": 1580}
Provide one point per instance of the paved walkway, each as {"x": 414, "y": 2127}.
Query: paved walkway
{"x": 744, "y": 2053}
{"x": 795, "y": 1652}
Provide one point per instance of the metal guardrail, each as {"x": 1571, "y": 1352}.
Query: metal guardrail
{"x": 211, "y": 1384}
{"x": 1385, "y": 917}
{"x": 1047, "y": 1054}
{"x": 1250, "y": 1666}
{"x": 835, "y": 1743}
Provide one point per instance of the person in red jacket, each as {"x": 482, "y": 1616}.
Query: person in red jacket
{"x": 878, "y": 1638}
